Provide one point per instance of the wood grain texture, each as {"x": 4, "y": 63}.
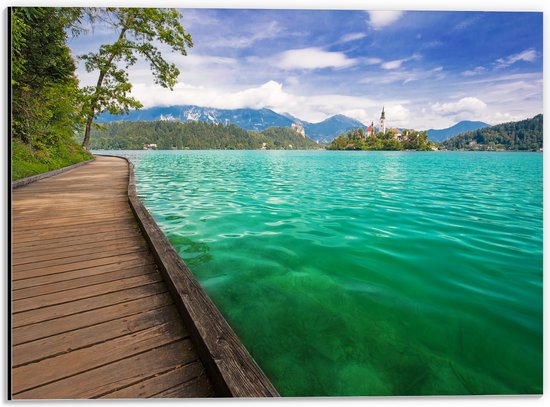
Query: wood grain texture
{"x": 91, "y": 314}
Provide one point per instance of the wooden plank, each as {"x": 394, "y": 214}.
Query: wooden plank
{"x": 66, "y": 365}
{"x": 114, "y": 376}
{"x": 44, "y": 329}
{"x": 61, "y": 250}
{"x": 61, "y": 230}
{"x": 231, "y": 368}
{"x": 76, "y": 265}
{"x": 18, "y": 238}
{"x": 74, "y": 274}
{"x": 76, "y": 307}
{"x": 199, "y": 387}
{"x": 68, "y": 241}
{"x": 81, "y": 282}
{"x": 157, "y": 384}
{"x": 64, "y": 297}
{"x": 55, "y": 345}
{"x": 35, "y": 178}
{"x": 96, "y": 250}
{"x": 80, "y": 256}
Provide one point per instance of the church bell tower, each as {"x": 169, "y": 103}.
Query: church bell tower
{"x": 383, "y": 121}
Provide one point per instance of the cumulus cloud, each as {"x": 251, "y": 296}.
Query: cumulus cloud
{"x": 398, "y": 114}
{"x": 529, "y": 55}
{"x": 380, "y": 19}
{"x": 272, "y": 95}
{"x": 312, "y": 58}
{"x": 464, "y": 105}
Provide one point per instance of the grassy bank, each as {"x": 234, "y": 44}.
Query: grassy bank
{"x": 25, "y": 161}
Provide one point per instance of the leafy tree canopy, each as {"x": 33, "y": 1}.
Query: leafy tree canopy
{"x": 138, "y": 30}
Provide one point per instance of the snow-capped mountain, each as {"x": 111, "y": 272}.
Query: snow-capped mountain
{"x": 249, "y": 119}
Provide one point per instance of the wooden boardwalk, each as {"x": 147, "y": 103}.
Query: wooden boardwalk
{"x": 91, "y": 315}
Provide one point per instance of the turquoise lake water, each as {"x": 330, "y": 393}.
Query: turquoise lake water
{"x": 365, "y": 273}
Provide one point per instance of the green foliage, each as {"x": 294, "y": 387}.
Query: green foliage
{"x": 523, "y": 135}
{"x": 169, "y": 135}
{"x": 357, "y": 139}
{"x": 44, "y": 86}
{"x": 138, "y": 29}
{"x": 26, "y": 161}
{"x": 44, "y": 91}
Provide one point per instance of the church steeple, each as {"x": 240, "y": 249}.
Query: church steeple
{"x": 383, "y": 121}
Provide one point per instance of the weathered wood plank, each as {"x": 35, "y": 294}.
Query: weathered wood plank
{"x": 100, "y": 301}
{"x": 36, "y": 178}
{"x": 193, "y": 389}
{"x": 117, "y": 375}
{"x": 44, "y": 329}
{"x": 94, "y": 251}
{"x": 79, "y": 256}
{"x": 63, "y": 297}
{"x": 67, "y": 230}
{"x": 162, "y": 382}
{"x": 62, "y": 250}
{"x": 74, "y": 274}
{"x": 69, "y": 241}
{"x": 19, "y": 274}
{"x": 70, "y": 364}
{"x": 70, "y": 341}
{"x": 81, "y": 282}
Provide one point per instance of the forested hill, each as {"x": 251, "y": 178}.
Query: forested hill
{"x": 168, "y": 135}
{"x": 523, "y": 135}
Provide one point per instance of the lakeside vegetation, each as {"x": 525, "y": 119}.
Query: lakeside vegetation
{"x": 45, "y": 93}
{"x": 172, "y": 135}
{"x": 392, "y": 139}
{"x": 524, "y": 135}
{"x": 48, "y": 107}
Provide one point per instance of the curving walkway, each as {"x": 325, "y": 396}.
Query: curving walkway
{"x": 91, "y": 316}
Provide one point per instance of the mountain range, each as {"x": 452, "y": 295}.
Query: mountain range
{"x": 248, "y": 119}
{"x": 461, "y": 127}
{"x": 261, "y": 119}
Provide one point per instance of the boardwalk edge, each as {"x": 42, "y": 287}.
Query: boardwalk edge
{"x": 38, "y": 177}
{"x": 233, "y": 371}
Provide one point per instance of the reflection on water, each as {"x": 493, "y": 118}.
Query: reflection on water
{"x": 365, "y": 273}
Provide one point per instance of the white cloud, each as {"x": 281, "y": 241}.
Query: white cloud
{"x": 263, "y": 32}
{"x": 395, "y": 64}
{"x": 353, "y": 37}
{"x": 312, "y": 58}
{"x": 379, "y": 19}
{"x": 464, "y": 105}
{"x": 529, "y": 55}
{"x": 272, "y": 95}
{"x": 397, "y": 114}
{"x": 372, "y": 61}
{"x": 478, "y": 70}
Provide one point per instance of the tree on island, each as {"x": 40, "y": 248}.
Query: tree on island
{"x": 137, "y": 29}
{"x": 357, "y": 139}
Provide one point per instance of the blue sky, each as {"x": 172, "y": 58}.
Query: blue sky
{"x": 429, "y": 69}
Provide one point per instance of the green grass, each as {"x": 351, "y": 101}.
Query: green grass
{"x": 26, "y": 161}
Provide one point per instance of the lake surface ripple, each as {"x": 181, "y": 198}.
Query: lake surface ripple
{"x": 365, "y": 273}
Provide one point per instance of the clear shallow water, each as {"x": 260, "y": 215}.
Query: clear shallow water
{"x": 365, "y": 273}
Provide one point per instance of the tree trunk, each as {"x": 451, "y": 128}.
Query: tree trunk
{"x": 86, "y": 141}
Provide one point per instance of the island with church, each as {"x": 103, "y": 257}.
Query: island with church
{"x": 372, "y": 138}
